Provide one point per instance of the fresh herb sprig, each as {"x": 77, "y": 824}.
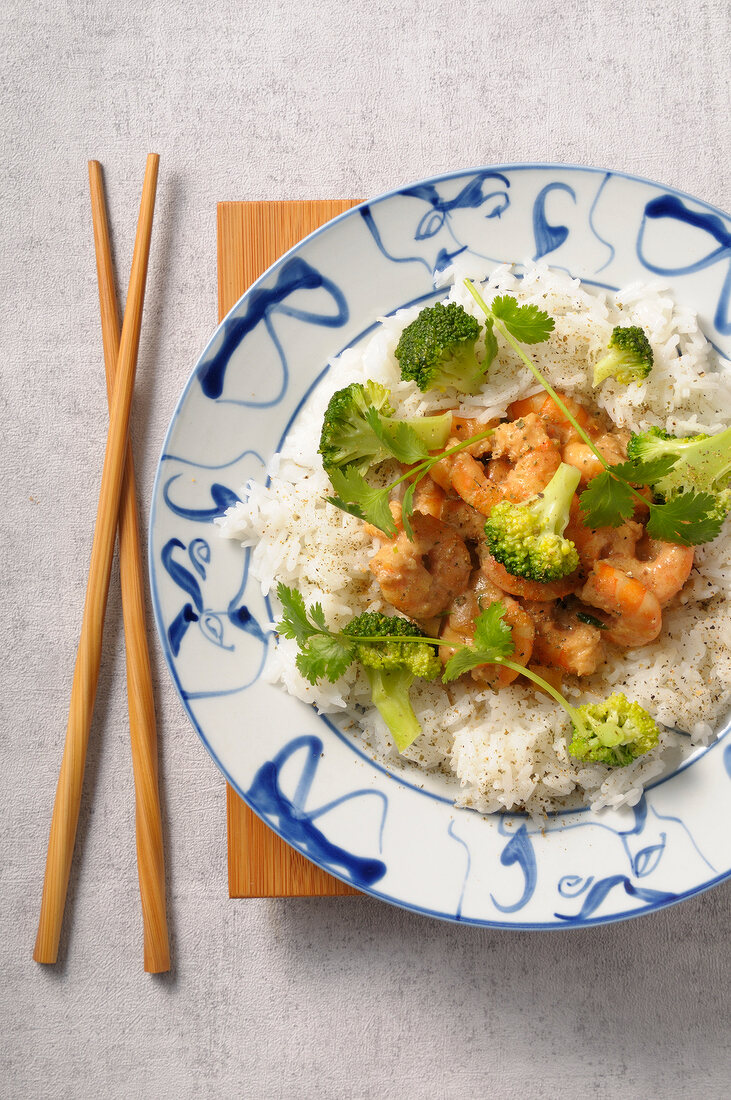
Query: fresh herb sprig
{"x": 325, "y": 653}
{"x": 493, "y": 645}
{"x": 609, "y": 499}
{"x": 356, "y": 496}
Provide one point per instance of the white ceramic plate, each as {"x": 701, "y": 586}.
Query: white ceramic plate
{"x": 397, "y": 835}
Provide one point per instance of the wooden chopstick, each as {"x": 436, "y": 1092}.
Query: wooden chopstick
{"x": 86, "y": 671}
{"x": 143, "y": 736}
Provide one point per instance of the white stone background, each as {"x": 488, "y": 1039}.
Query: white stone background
{"x": 299, "y": 998}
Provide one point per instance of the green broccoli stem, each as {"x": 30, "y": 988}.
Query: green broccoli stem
{"x": 433, "y": 431}
{"x": 707, "y": 451}
{"x": 390, "y": 694}
{"x": 423, "y": 467}
{"x": 389, "y": 638}
{"x": 543, "y": 382}
{"x": 554, "y": 502}
{"x": 388, "y": 698}
{"x": 572, "y": 712}
{"x": 610, "y": 364}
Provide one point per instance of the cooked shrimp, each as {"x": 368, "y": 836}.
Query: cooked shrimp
{"x": 531, "y": 473}
{"x": 611, "y": 447}
{"x": 527, "y": 405}
{"x": 463, "y": 427}
{"x": 515, "y": 437}
{"x": 421, "y": 577}
{"x": 469, "y": 481}
{"x": 555, "y": 419}
{"x": 498, "y": 469}
{"x": 428, "y": 497}
{"x": 519, "y": 586}
{"x": 466, "y": 520}
{"x": 563, "y": 641}
{"x": 637, "y": 618}
{"x": 460, "y": 629}
{"x": 441, "y": 472}
{"x": 605, "y": 543}
{"x": 663, "y": 567}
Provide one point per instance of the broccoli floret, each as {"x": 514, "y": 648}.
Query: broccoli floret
{"x": 437, "y": 350}
{"x": 527, "y": 538}
{"x": 391, "y": 669}
{"x": 628, "y": 358}
{"x": 347, "y": 439}
{"x": 614, "y": 732}
{"x": 704, "y": 464}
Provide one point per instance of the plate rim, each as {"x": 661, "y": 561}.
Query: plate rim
{"x": 454, "y": 918}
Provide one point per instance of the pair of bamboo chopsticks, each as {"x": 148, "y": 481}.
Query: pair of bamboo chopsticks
{"x": 116, "y": 505}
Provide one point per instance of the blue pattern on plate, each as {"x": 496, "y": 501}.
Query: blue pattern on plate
{"x": 290, "y": 817}
{"x": 268, "y": 355}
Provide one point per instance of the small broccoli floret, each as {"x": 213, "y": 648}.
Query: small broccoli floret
{"x": 703, "y": 464}
{"x": 528, "y": 538}
{"x": 437, "y": 350}
{"x": 347, "y": 438}
{"x": 614, "y": 732}
{"x": 392, "y": 667}
{"x": 628, "y": 358}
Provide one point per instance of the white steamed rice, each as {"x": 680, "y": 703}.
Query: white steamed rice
{"x": 508, "y": 749}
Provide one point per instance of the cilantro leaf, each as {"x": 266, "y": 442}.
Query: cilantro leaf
{"x": 407, "y": 510}
{"x": 606, "y": 501}
{"x": 645, "y": 473}
{"x": 464, "y": 660}
{"x": 318, "y": 616}
{"x": 492, "y": 633}
{"x": 493, "y": 641}
{"x": 490, "y": 343}
{"x": 356, "y": 496}
{"x": 399, "y": 437}
{"x": 529, "y": 324}
{"x": 324, "y": 655}
{"x": 688, "y": 519}
{"x": 295, "y": 623}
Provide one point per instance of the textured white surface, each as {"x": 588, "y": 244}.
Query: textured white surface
{"x": 246, "y": 100}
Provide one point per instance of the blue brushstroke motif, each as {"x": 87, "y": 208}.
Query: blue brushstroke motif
{"x": 647, "y": 859}
{"x": 345, "y": 797}
{"x": 367, "y": 216}
{"x": 210, "y": 621}
{"x": 199, "y": 553}
{"x": 548, "y": 237}
{"x": 222, "y": 497}
{"x": 168, "y": 457}
{"x": 604, "y": 887}
{"x": 571, "y": 886}
{"x": 263, "y": 303}
{"x": 182, "y": 576}
{"x": 450, "y": 830}
{"x": 686, "y": 830}
{"x": 212, "y": 629}
{"x": 519, "y": 849}
{"x": 242, "y": 618}
{"x": 179, "y": 625}
{"x": 291, "y": 818}
{"x": 607, "y": 244}
{"x": 669, "y": 206}
{"x": 471, "y": 197}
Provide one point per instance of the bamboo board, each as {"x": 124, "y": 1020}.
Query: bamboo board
{"x": 251, "y": 236}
